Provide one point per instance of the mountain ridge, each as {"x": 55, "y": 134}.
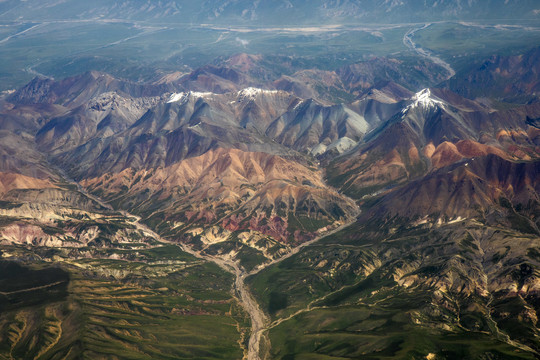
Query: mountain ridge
{"x": 244, "y": 12}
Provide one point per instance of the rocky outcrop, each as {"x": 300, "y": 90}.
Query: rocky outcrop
{"x": 233, "y": 189}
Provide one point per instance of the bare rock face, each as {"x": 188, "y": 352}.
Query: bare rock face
{"x": 103, "y": 116}
{"x": 502, "y": 77}
{"x": 191, "y": 123}
{"x": 11, "y": 181}
{"x": 235, "y": 162}
{"x": 233, "y": 189}
{"x": 366, "y": 75}
{"x": 78, "y": 90}
{"x": 469, "y": 190}
{"x": 241, "y": 159}
{"x": 435, "y": 129}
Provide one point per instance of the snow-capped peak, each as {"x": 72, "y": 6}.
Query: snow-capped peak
{"x": 175, "y": 97}
{"x": 251, "y": 92}
{"x": 423, "y": 99}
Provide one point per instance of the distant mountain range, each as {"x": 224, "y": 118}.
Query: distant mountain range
{"x": 268, "y": 12}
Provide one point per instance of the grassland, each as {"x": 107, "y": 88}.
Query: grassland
{"x": 141, "y": 52}
{"x": 168, "y": 306}
{"x": 400, "y": 294}
{"x": 381, "y": 332}
{"x": 463, "y": 44}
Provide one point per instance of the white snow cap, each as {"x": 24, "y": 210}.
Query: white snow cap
{"x": 423, "y": 99}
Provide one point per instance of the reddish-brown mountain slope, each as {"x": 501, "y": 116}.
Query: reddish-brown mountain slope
{"x": 232, "y": 189}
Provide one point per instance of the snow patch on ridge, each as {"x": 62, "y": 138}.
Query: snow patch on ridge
{"x": 251, "y": 93}
{"x": 424, "y": 98}
{"x": 175, "y": 97}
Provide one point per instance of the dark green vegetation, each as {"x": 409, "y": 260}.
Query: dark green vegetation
{"x": 22, "y": 287}
{"x": 380, "y": 332}
{"x": 248, "y": 257}
{"x": 402, "y": 292}
{"x": 169, "y": 307}
{"x": 475, "y": 41}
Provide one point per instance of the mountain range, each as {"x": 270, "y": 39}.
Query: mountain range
{"x": 272, "y": 12}
{"x": 376, "y": 210}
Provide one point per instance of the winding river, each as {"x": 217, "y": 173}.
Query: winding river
{"x": 259, "y": 321}
{"x": 409, "y": 42}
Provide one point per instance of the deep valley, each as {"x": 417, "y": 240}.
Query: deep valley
{"x": 230, "y": 181}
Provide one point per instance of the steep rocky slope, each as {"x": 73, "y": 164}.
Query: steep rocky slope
{"x": 78, "y": 90}
{"x": 498, "y": 191}
{"x": 511, "y": 78}
{"x": 229, "y": 173}
{"x": 190, "y": 124}
{"x": 234, "y": 190}
{"x": 435, "y": 129}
